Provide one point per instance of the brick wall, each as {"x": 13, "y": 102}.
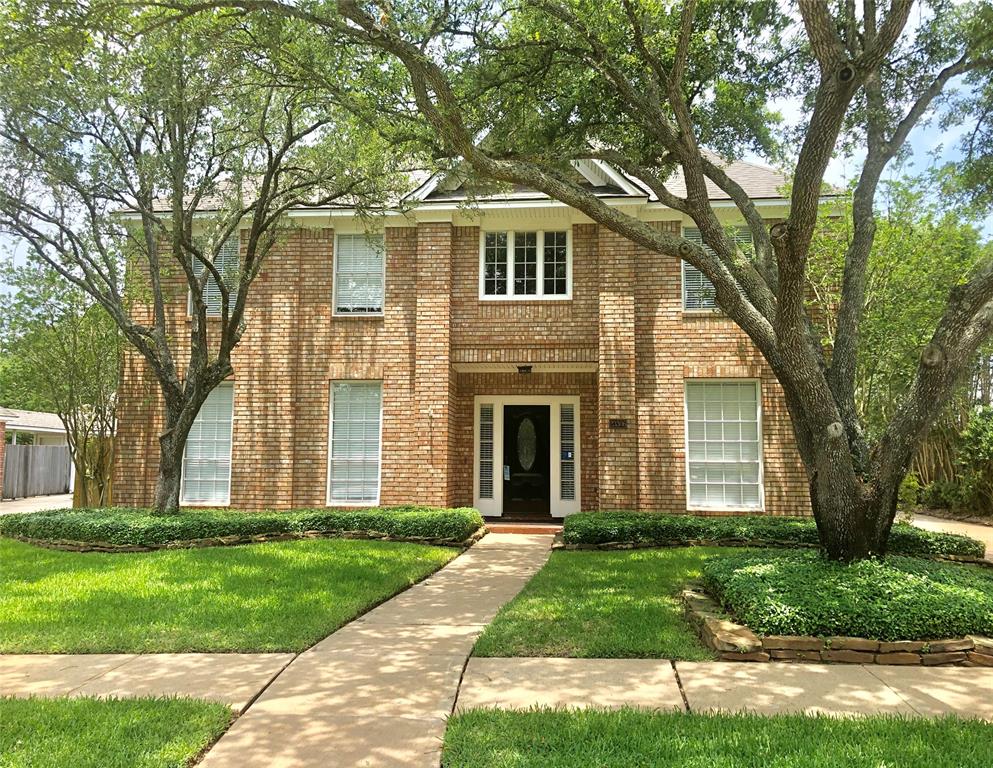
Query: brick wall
{"x": 625, "y": 317}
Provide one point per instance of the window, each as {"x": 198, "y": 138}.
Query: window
{"x": 723, "y": 445}
{"x": 359, "y": 275}
{"x": 227, "y": 262}
{"x": 567, "y": 435}
{"x": 486, "y": 451}
{"x": 525, "y": 264}
{"x": 698, "y": 291}
{"x": 353, "y": 466}
{"x": 207, "y": 457}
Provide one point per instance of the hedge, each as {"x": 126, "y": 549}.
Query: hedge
{"x": 655, "y": 529}
{"x": 122, "y": 526}
{"x": 899, "y": 598}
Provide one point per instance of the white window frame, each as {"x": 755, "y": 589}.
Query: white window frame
{"x": 379, "y": 477}
{"x": 686, "y": 445}
{"x": 558, "y": 507}
{"x": 182, "y": 466}
{"x": 540, "y": 295}
{"x": 236, "y": 236}
{"x": 334, "y": 276}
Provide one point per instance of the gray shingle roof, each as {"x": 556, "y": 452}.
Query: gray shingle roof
{"x": 29, "y": 420}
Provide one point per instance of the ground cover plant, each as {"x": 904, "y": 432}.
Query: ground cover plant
{"x": 625, "y": 738}
{"x": 647, "y": 528}
{"x": 594, "y": 604}
{"x": 900, "y": 598}
{"x": 107, "y": 733}
{"x": 143, "y": 527}
{"x": 274, "y": 596}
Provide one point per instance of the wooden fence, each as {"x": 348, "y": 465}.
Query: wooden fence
{"x": 35, "y": 470}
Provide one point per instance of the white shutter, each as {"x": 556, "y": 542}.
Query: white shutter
{"x": 567, "y": 433}
{"x": 353, "y": 465}
{"x": 486, "y": 451}
{"x": 723, "y": 445}
{"x": 358, "y": 275}
{"x": 698, "y": 291}
{"x": 227, "y": 263}
{"x": 207, "y": 456}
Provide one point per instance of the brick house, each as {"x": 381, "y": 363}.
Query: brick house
{"x": 509, "y": 355}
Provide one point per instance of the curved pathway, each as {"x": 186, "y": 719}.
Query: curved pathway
{"x": 982, "y": 532}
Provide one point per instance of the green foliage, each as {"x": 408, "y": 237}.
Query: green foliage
{"x": 602, "y": 605}
{"x": 107, "y": 733}
{"x": 974, "y": 462}
{"x": 662, "y": 530}
{"x": 627, "y": 738}
{"x": 909, "y": 493}
{"x": 273, "y": 596}
{"x": 143, "y": 527}
{"x": 901, "y": 598}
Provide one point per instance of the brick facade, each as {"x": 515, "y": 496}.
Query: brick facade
{"x": 621, "y": 344}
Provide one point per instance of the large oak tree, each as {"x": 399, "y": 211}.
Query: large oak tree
{"x": 135, "y": 148}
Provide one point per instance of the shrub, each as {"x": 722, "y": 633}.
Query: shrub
{"x": 900, "y": 598}
{"x": 140, "y": 527}
{"x": 654, "y": 529}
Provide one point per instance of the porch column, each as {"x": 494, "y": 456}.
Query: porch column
{"x": 432, "y": 368}
{"x": 618, "y": 414}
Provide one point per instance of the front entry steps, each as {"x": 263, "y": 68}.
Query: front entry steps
{"x": 524, "y": 527}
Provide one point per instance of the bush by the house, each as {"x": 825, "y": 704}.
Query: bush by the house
{"x": 900, "y": 598}
{"x": 140, "y": 527}
{"x": 653, "y": 529}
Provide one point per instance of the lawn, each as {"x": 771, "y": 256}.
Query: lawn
{"x": 91, "y": 733}
{"x": 593, "y": 604}
{"x": 278, "y": 596}
{"x": 627, "y": 738}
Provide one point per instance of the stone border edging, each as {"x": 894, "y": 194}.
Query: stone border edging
{"x": 67, "y": 545}
{"x": 560, "y": 543}
{"x": 736, "y": 642}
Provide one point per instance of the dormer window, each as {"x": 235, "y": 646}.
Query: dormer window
{"x": 525, "y": 264}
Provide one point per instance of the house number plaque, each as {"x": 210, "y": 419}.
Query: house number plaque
{"x": 618, "y": 423}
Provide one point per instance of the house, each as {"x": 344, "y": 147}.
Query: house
{"x": 507, "y": 354}
{"x": 33, "y": 427}
{"x": 25, "y": 468}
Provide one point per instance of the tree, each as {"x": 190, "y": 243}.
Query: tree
{"x": 518, "y": 91}
{"x": 63, "y": 355}
{"x": 118, "y": 131}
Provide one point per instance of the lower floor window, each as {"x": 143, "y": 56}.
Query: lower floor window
{"x": 353, "y": 472}
{"x": 207, "y": 457}
{"x": 723, "y": 444}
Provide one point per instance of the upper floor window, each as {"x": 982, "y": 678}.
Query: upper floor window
{"x": 359, "y": 275}
{"x": 698, "y": 291}
{"x": 226, "y": 262}
{"x": 525, "y": 264}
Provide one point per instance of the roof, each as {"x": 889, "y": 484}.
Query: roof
{"x": 31, "y": 421}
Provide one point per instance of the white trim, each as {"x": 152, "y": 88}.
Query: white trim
{"x": 686, "y": 444}
{"x": 539, "y": 267}
{"x": 558, "y": 506}
{"x": 334, "y": 277}
{"x": 182, "y": 462}
{"x": 535, "y": 367}
{"x": 379, "y": 476}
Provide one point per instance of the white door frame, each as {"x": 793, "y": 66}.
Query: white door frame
{"x": 559, "y": 507}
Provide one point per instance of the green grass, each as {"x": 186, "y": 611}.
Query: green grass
{"x": 899, "y": 598}
{"x": 278, "y": 596}
{"x": 602, "y": 605}
{"x": 91, "y": 733}
{"x": 629, "y": 739}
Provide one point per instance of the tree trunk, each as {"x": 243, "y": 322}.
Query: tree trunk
{"x": 170, "y": 472}
{"x": 852, "y": 525}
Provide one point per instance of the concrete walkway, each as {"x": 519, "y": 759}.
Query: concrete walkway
{"x": 230, "y": 678}
{"x": 840, "y": 689}
{"x": 982, "y": 532}
{"x": 377, "y": 692}
{"x": 35, "y": 503}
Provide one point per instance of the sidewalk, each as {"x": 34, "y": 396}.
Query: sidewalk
{"x": 768, "y": 689}
{"x": 378, "y": 691}
{"x": 35, "y": 503}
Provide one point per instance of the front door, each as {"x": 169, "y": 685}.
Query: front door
{"x": 526, "y": 460}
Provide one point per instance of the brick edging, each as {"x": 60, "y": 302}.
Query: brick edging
{"x": 67, "y": 545}
{"x": 736, "y": 642}
{"x": 761, "y": 543}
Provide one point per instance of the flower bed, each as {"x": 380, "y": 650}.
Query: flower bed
{"x": 120, "y": 529}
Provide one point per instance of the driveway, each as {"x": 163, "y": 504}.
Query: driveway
{"x": 35, "y": 503}
{"x": 982, "y": 532}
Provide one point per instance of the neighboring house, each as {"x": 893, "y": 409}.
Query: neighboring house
{"x": 33, "y": 427}
{"x": 35, "y": 475}
{"x": 507, "y": 354}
